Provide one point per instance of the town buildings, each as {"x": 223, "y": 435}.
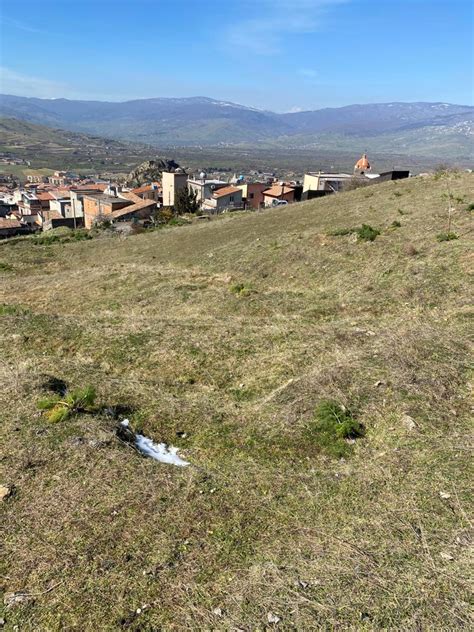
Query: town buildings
{"x": 64, "y": 199}
{"x": 171, "y": 183}
{"x": 204, "y": 188}
{"x": 224, "y": 198}
{"x": 278, "y": 193}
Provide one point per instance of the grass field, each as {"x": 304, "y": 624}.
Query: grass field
{"x": 224, "y": 339}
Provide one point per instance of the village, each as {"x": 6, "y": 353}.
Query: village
{"x": 43, "y": 203}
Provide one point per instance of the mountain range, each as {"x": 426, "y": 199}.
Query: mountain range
{"x": 432, "y": 129}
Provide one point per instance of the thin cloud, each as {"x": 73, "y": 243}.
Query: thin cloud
{"x": 276, "y": 20}
{"x": 22, "y": 26}
{"x": 12, "y": 82}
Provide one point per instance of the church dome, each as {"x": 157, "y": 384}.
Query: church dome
{"x": 362, "y": 164}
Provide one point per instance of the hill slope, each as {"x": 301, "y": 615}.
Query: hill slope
{"x": 200, "y": 120}
{"x": 58, "y": 148}
{"x": 223, "y": 339}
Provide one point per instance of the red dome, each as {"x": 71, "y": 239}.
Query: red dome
{"x": 362, "y": 164}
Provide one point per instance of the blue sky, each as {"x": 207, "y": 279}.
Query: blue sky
{"x": 281, "y": 55}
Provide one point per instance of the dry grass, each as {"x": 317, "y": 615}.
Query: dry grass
{"x": 264, "y": 521}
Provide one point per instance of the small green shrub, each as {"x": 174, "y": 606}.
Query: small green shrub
{"x": 241, "y": 289}
{"x": 60, "y": 407}
{"x": 470, "y": 207}
{"x": 395, "y": 224}
{"x": 367, "y": 233}
{"x": 447, "y": 236}
{"x": 397, "y": 194}
{"x": 332, "y": 425}
{"x": 5, "y": 267}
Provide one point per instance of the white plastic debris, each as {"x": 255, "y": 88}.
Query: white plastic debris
{"x": 158, "y": 451}
{"x": 272, "y": 618}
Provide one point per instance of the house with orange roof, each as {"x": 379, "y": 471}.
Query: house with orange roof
{"x": 229, "y": 197}
{"x": 278, "y": 193}
{"x": 151, "y": 191}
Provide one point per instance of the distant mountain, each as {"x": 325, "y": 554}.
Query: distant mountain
{"x": 402, "y": 127}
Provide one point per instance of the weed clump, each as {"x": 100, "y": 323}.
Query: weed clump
{"x": 449, "y": 236}
{"x": 470, "y": 207}
{"x": 5, "y": 267}
{"x": 332, "y": 426}
{"x": 60, "y": 407}
{"x": 395, "y": 224}
{"x": 367, "y": 233}
{"x": 241, "y": 289}
{"x": 340, "y": 232}
{"x": 364, "y": 232}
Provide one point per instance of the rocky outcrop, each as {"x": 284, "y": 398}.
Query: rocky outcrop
{"x": 150, "y": 171}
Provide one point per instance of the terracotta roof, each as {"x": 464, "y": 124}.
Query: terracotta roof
{"x": 277, "y": 190}
{"x": 138, "y": 206}
{"x": 129, "y": 195}
{"x": 226, "y": 191}
{"x": 100, "y": 186}
{"x": 45, "y": 196}
{"x": 47, "y": 215}
{"x": 147, "y": 187}
{"x": 9, "y": 223}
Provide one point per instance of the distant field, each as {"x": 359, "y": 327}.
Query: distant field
{"x": 23, "y": 171}
{"x": 229, "y": 340}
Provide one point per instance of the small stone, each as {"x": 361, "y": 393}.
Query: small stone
{"x": 5, "y": 491}
{"x": 408, "y": 422}
{"x": 445, "y": 495}
{"x": 303, "y": 584}
{"x": 272, "y": 618}
{"x": 14, "y": 598}
{"x": 446, "y": 556}
{"x": 378, "y": 383}
{"x": 217, "y": 612}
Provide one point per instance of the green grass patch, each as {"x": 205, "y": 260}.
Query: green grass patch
{"x": 367, "y": 233}
{"x": 448, "y": 236}
{"x": 242, "y": 289}
{"x": 58, "y": 407}
{"x": 333, "y": 425}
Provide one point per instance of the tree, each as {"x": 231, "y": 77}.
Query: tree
{"x": 185, "y": 201}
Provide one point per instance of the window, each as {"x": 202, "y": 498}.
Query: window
{"x": 231, "y": 199}
{"x": 251, "y": 196}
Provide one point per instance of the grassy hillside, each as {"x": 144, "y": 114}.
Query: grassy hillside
{"x": 224, "y": 339}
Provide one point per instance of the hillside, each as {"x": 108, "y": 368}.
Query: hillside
{"x": 204, "y": 121}
{"x": 58, "y": 148}
{"x": 224, "y": 339}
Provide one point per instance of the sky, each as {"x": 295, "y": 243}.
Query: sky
{"x": 280, "y": 55}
